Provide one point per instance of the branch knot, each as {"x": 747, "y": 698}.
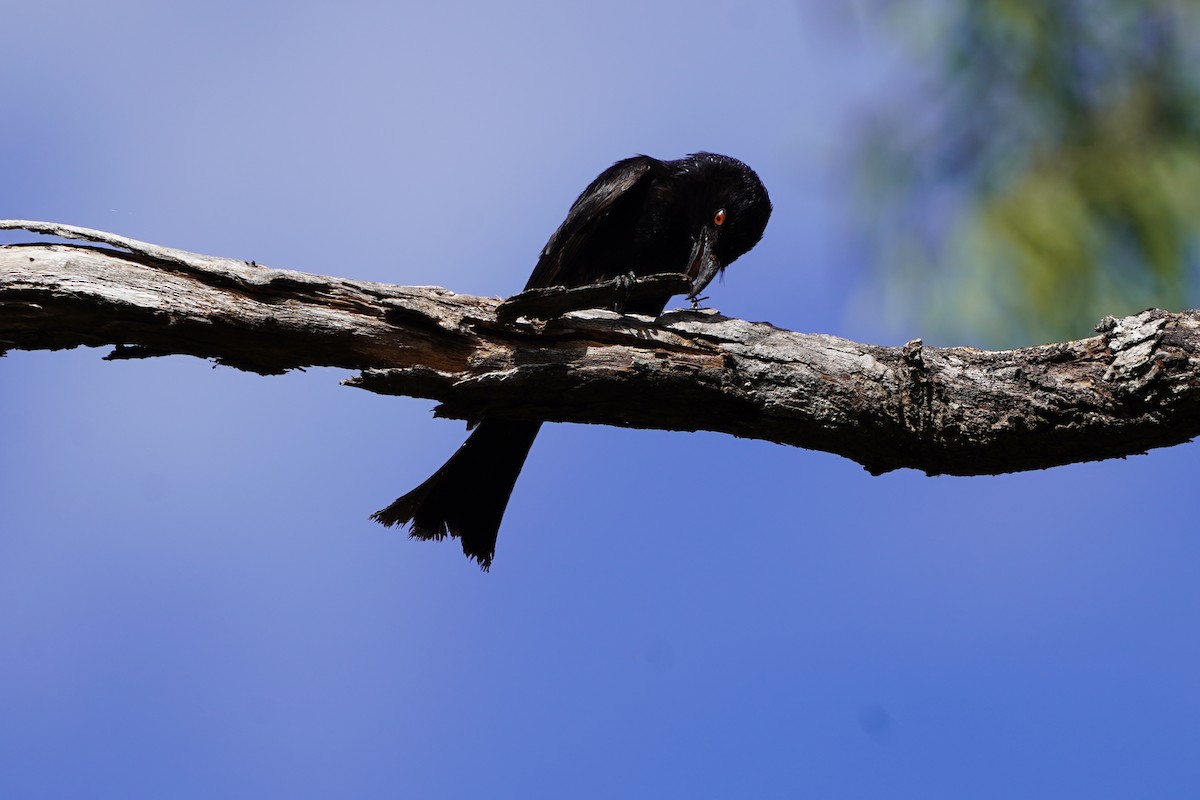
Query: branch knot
{"x": 916, "y": 388}
{"x": 1134, "y": 342}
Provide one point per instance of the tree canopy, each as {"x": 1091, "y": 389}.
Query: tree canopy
{"x": 1050, "y": 174}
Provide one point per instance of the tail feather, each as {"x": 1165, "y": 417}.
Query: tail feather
{"x": 467, "y": 496}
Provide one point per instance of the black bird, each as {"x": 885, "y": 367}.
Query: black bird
{"x": 642, "y": 216}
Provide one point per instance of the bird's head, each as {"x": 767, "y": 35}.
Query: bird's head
{"x": 728, "y": 207}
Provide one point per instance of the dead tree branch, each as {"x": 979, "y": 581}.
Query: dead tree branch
{"x": 942, "y": 410}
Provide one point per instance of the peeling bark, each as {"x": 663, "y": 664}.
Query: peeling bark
{"x": 952, "y": 410}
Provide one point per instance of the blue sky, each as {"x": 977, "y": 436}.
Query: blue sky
{"x": 193, "y": 602}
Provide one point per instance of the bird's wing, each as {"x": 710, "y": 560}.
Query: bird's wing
{"x": 616, "y": 184}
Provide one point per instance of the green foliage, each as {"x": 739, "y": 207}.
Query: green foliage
{"x": 1050, "y": 172}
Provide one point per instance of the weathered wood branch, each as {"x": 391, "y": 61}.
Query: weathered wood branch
{"x": 942, "y": 410}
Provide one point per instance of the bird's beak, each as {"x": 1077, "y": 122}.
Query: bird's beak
{"x": 702, "y": 264}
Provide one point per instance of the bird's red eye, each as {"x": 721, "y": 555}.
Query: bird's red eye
{"x": 719, "y": 217}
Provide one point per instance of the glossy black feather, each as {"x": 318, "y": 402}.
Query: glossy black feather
{"x": 584, "y": 250}
{"x": 641, "y": 216}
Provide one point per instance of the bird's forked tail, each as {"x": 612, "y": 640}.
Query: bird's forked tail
{"x": 467, "y": 496}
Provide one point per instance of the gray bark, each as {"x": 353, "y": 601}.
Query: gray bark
{"x": 952, "y": 410}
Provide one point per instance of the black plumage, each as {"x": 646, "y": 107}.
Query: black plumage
{"x": 695, "y": 215}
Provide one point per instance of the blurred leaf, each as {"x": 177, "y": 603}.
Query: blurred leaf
{"x": 1049, "y": 172}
